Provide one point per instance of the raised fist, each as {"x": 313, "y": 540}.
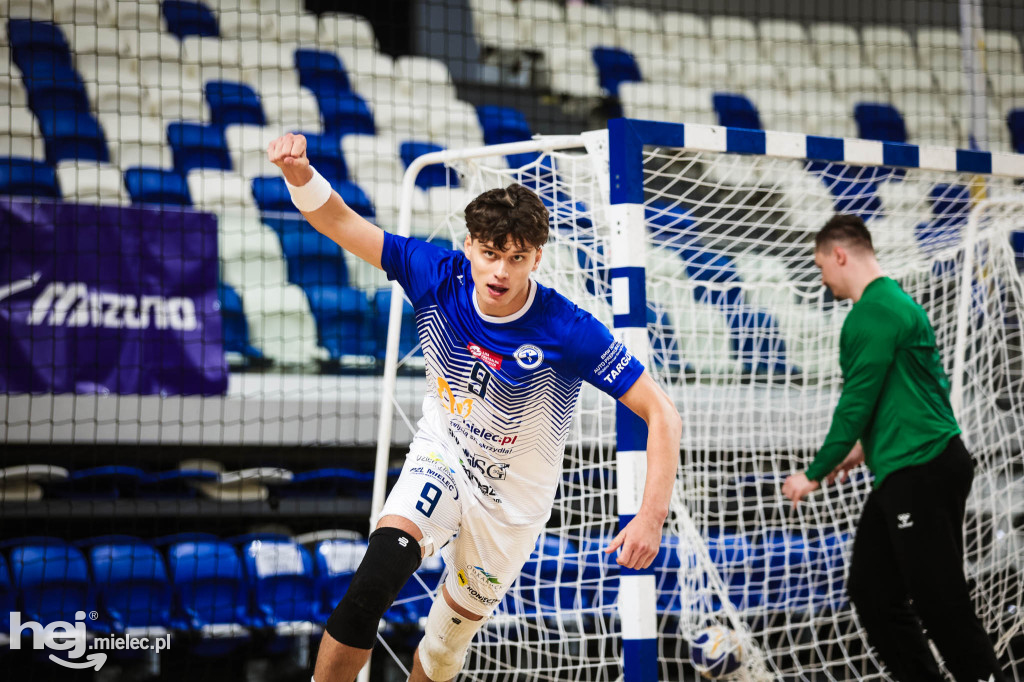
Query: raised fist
{"x": 288, "y": 153}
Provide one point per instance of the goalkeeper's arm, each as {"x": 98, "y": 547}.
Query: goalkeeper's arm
{"x": 332, "y": 218}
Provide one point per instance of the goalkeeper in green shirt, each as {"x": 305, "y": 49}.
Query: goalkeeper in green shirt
{"x": 895, "y": 416}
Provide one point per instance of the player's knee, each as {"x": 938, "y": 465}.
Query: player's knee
{"x": 442, "y": 650}
{"x": 392, "y": 555}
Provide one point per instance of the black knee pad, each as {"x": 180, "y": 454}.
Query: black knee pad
{"x": 392, "y": 556}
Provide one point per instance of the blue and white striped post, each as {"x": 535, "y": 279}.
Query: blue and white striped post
{"x": 637, "y": 588}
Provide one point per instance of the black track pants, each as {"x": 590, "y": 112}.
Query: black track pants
{"x": 909, "y": 546}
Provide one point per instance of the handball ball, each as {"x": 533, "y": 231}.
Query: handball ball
{"x": 716, "y": 652}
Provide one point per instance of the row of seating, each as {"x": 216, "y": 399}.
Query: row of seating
{"x": 191, "y": 479}
{"x": 223, "y": 592}
{"x": 268, "y": 20}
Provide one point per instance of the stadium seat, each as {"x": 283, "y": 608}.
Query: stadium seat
{"x": 346, "y": 113}
{"x": 233, "y": 103}
{"x": 295, "y": 26}
{"x": 8, "y": 601}
{"x": 53, "y": 87}
{"x": 28, "y": 36}
{"x": 548, "y": 578}
{"x": 615, "y": 66}
{"x": 73, "y": 135}
{"x": 189, "y": 19}
{"x": 21, "y": 483}
{"x": 413, "y": 602}
{"x": 217, "y": 190}
{"x": 272, "y": 195}
{"x": 740, "y": 565}
{"x": 888, "y": 47}
{"x": 345, "y": 322}
{"x": 408, "y": 340}
{"x": 736, "y": 111}
{"x": 281, "y": 582}
{"x": 52, "y": 579}
{"x": 110, "y": 482}
{"x": 132, "y": 588}
{"x": 195, "y": 145}
{"x": 434, "y": 175}
{"x": 455, "y": 125}
{"x": 28, "y": 177}
{"x": 836, "y": 45}
{"x": 336, "y": 562}
{"x": 333, "y": 483}
{"x": 324, "y": 152}
{"x": 424, "y": 79}
{"x": 156, "y": 186}
{"x": 785, "y": 42}
{"x": 235, "y": 327}
{"x": 175, "y": 483}
{"x": 880, "y": 122}
{"x": 337, "y": 28}
{"x": 1015, "y": 122}
{"x": 321, "y": 72}
{"x": 313, "y": 259}
{"x": 209, "y": 588}
{"x": 292, "y": 107}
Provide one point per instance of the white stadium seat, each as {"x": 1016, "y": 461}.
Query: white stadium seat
{"x": 455, "y": 124}
{"x": 242, "y": 24}
{"x": 538, "y": 23}
{"x": 637, "y": 31}
{"x": 735, "y": 40}
{"x": 1003, "y": 53}
{"x": 372, "y": 159}
{"x": 100, "y": 13}
{"x": 370, "y": 73}
{"x": 495, "y": 23}
{"x": 836, "y": 45}
{"x": 12, "y": 91}
{"x": 136, "y": 140}
{"x": 295, "y": 109}
{"x": 124, "y": 98}
{"x": 148, "y": 45}
{"x": 177, "y": 103}
{"x": 281, "y": 323}
{"x": 91, "y": 182}
{"x": 684, "y": 25}
{"x": 424, "y": 79}
{"x": 250, "y": 252}
{"x": 215, "y": 190}
{"x": 38, "y": 10}
{"x": 888, "y": 47}
{"x": 248, "y": 144}
{"x": 760, "y": 75}
{"x": 337, "y": 29}
{"x": 590, "y": 25}
{"x": 208, "y": 51}
{"x": 20, "y": 134}
{"x": 401, "y": 119}
{"x": 939, "y": 49}
{"x": 861, "y": 85}
{"x": 91, "y": 39}
{"x": 299, "y": 27}
{"x": 808, "y": 78}
{"x": 1007, "y": 85}
{"x": 143, "y": 16}
{"x": 785, "y": 42}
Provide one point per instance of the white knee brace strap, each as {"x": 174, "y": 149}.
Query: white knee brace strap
{"x": 446, "y": 640}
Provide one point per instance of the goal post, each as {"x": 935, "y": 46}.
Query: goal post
{"x": 695, "y": 245}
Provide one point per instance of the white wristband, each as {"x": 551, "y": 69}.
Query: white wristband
{"x": 312, "y": 195}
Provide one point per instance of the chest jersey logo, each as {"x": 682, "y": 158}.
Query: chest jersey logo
{"x": 529, "y": 356}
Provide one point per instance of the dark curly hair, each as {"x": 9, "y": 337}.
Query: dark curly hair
{"x": 846, "y": 228}
{"x": 513, "y": 213}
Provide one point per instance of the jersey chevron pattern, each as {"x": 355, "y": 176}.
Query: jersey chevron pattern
{"x": 501, "y": 392}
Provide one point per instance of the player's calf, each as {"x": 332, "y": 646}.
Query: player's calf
{"x": 392, "y": 556}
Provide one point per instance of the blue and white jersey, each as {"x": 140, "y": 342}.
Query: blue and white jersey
{"x": 501, "y": 391}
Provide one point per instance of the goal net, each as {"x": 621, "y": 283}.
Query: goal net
{"x": 745, "y": 339}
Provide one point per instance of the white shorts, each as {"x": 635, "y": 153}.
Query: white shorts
{"x": 484, "y": 555}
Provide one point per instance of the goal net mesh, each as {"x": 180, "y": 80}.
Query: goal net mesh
{"x": 745, "y": 339}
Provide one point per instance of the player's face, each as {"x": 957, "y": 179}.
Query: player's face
{"x": 828, "y": 261}
{"x": 501, "y": 278}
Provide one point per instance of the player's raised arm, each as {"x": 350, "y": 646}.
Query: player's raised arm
{"x": 322, "y": 206}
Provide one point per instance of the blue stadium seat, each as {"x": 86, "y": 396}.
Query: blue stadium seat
{"x": 598, "y": 572}
{"x": 28, "y": 36}
{"x": 109, "y": 482}
{"x": 408, "y": 339}
{"x": 330, "y": 483}
{"x": 282, "y": 585}
{"x": 321, "y": 72}
{"x": 73, "y": 135}
{"x": 951, "y": 207}
{"x": 503, "y": 124}
{"x": 156, "y": 186}
{"x": 548, "y": 576}
{"x": 132, "y": 586}
{"x": 336, "y": 562}
{"x": 740, "y": 564}
{"x": 736, "y": 111}
{"x": 788, "y": 560}
{"x": 346, "y": 113}
{"x": 8, "y": 598}
{"x": 412, "y": 604}
{"x": 667, "y": 565}
{"x": 435, "y": 175}
{"x": 209, "y": 588}
{"x": 271, "y": 195}
{"x": 313, "y": 259}
{"x": 195, "y": 145}
{"x": 28, "y": 177}
{"x": 356, "y": 198}
{"x": 615, "y": 66}
{"x": 189, "y": 19}
{"x": 877, "y": 121}
{"x": 855, "y": 188}
{"x": 174, "y": 483}
{"x": 232, "y": 103}
{"x": 1015, "y": 122}
{"x": 53, "y": 87}
{"x": 324, "y": 152}
{"x": 828, "y": 574}
{"x": 344, "y": 320}
{"x": 235, "y": 326}
{"x": 53, "y": 581}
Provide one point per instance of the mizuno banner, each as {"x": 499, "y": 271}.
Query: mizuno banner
{"x": 104, "y": 299}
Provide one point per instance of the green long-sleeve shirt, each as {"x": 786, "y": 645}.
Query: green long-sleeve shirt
{"x": 895, "y": 392}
